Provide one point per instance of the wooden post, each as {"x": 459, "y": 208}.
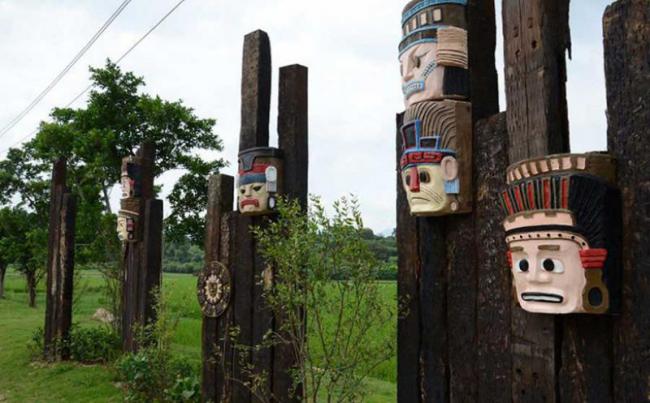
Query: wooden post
{"x": 438, "y": 258}
{"x": 60, "y": 265}
{"x": 627, "y": 62}
{"x": 230, "y": 240}
{"x": 536, "y": 37}
{"x": 216, "y": 385}
{"x": 142, "y": 255}
{"x": 293, "y": 131}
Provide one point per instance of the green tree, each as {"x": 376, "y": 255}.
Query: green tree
{"x": 344, "y": 317}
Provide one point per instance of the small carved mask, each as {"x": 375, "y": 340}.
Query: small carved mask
{"x": 563, "y": 234}
{"x": 131, "y": 179}
{"x": 126, "y": 226}
{"x": 259, "y": 181}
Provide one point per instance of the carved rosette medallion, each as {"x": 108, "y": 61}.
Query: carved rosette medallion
{"x": 213, "y": 289}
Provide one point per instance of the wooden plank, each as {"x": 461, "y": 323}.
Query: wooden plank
{"x": 408, "y": 276}
{"x": 67, "y": 238}
{"x": 536, "y": 35}
{"x": 220, "y": 203}
{"x": 255, "y": 91}
{"x": 493, "y": 366}
{"x": 53, "y": 284}
{"x": 461, "y": 275}
{"x": 482, "y": 41}
{"x": 627, "y": 62}
{"x": 225, "y": 322}
{"x": 434, "y": 347}
{"x": 293, "y": 139}
{"x": 151, "y": 270}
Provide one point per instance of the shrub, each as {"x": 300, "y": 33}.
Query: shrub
{"x": 93, "y": 345}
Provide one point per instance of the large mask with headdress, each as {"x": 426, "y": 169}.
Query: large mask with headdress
{"x": 433, "y": 51}
{"x": 260, "y": 180}
{"x": 563, "y": 230}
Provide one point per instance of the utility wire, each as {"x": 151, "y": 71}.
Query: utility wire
{"x": 65, "y": 71}
{"x": 124, "y": 55}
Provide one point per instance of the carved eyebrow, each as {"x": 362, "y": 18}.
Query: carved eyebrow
{"x": 516, "y": 249}
{"x": 549, "y": 247}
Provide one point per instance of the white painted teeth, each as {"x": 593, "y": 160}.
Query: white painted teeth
{"x": 542, "y": 298}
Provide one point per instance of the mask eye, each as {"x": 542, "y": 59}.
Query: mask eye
{"x": 553, "y": 265}
{"x": 407, "y": 179}
{"x": 242, "y": 190}
{"x": 424, "y": 177}
{"x": 522, "y": 265}
{"x": 257, "y": 188}
{"x": 418, "y": 62}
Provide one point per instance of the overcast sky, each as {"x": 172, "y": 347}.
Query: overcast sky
{"x": 349, "y": 46}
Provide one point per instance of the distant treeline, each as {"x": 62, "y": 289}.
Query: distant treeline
{"x": 184, "y": 257}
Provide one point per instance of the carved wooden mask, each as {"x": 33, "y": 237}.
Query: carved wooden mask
{"x": 563, "y": 230}
{"x": 436, "y": 163}
{"x": 260, "y": 180}
{"x": 433, "y": 51}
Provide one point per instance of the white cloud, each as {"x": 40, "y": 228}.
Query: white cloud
{"x": 349, "y": 46}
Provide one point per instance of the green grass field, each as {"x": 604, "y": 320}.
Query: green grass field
{"x": 22, "y": 380}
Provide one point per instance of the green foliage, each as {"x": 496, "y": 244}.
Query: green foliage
{"x": 87, "y": 345}
{"x": 182, "y": 256}
{"x": 343, "y": 317}
{"x": 153, "y": 374}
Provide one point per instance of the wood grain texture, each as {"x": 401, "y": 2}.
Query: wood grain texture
{"x": 536, "y": 38}
{"x": 151, "y": 270}
{"x": 53, "y": 283}
{"x": 408, "y": 276}
{"x": 255, "y": 91}
{"x": 293, "y": 139}
{"x": 66, "y": 268}
{"x": 627, "y": 62}
{"x": 215, "y": 369}
{"x": 494, "y": 296}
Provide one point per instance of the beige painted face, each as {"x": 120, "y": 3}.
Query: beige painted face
{"x": 425, "y": 188}
{"x": 421, "y": 77}
{"x": 548, "y": 273}
{"x": 122, "y": 232}
{"x": 253, "y": 198}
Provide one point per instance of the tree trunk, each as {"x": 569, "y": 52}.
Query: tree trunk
{"x": 3, "y": 271}
{"x": 31, "y": 288}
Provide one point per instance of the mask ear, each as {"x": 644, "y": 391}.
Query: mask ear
{"x": 449, "y": 167}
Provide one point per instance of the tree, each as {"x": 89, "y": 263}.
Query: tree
{"x": 24, "y": 243}
{"x": 344, "y": 317}
{"x": 112, "y": 125}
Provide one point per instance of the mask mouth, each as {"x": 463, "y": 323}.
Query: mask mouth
{"x": 412, "y": 87}
{"x": 250, "y": 202}
{"x": 542, "y": 297}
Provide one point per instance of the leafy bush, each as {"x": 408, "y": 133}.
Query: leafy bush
{"x": 153, "y": 374}
{"x": 91, "y": 345}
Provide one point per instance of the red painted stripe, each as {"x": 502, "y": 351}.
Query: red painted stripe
{"x": 509, "y": 258}
{"x": 506, "y": 197}
{"x": 520, "y": 202}
{"x": 565, "y": 193}
{"x": 547, "y": 193}
{"x": 593, "y": 258}
{"x": 531, "y": 195}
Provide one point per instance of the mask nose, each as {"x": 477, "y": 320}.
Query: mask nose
{"x": 247, "y": 190}
{"x": 414, "y": 180}
{"x": 538, "y": 275}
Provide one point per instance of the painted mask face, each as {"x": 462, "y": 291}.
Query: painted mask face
{"x": 562, "y": 250}
{"x": 131, "y": 179}
{"x": 434, "y": 160}
{"x": 433, "y": 51}
{"x": 259, "y": 180}
{"x": 426, "y": 186}
{"x": 125, "y": 227}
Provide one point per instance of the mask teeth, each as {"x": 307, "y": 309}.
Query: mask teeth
{"x": 413, "y": 87}
{"x": 429, "y": 69}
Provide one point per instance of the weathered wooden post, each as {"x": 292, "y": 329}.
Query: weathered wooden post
{"x": 438, "y": 265}
{"x": 60, "y": 265}
{"x": 139, "y": 228}
{"x": 231, "y": 286}
{"x": 536, "y": 38}
{"x": 627, "y": 63}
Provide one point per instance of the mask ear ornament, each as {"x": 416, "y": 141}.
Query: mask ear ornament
{"x": 564, "y": 216}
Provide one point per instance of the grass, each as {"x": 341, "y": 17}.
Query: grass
{"x": 22, "y": 380}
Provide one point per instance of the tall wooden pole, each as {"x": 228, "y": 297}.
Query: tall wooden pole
{"x": 627, "y": 63}
{"x": 142, "y": 256}
{"x": 60, "y": 265}
{"x": 536, "y": 38}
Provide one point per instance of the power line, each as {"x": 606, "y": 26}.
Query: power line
{"x": 65, "y": 71}
{"x": 124, "y": 55}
